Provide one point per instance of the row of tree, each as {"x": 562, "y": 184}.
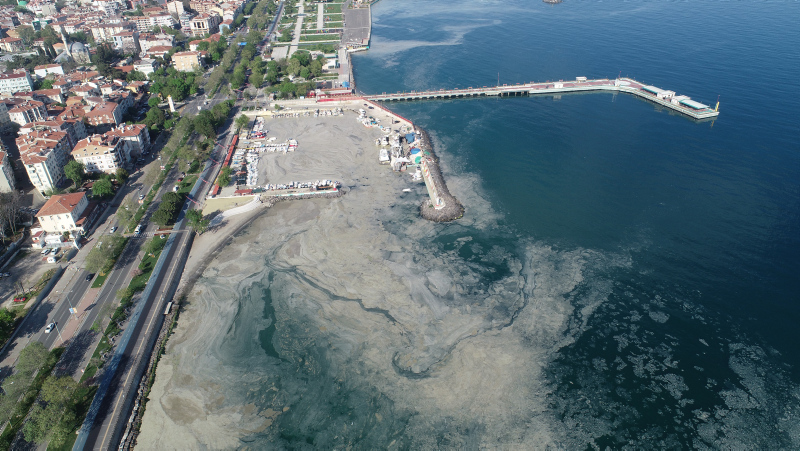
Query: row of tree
{"x": 168, "y": 209}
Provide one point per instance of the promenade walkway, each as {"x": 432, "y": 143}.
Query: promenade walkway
{"x": 298, "y": 29}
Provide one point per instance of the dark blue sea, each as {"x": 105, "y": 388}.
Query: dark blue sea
{"x": 694, "y": 343}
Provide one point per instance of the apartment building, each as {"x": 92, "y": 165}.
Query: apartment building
{"x": 44, "y": 155}
{"x": 101, "y": 153}
{"x": 205, "y": 24}
{"x": 7, "y": 181}
{"x": 28, "y": 111}
{"x": 16, "y": 82}
{"x": 135, "y": 137}
{"x": 64, "y": 213}
{"x": 187, "y": 61}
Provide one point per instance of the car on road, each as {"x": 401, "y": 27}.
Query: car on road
{"x": 137, "y": 230}
{"x": 89, "y": 277}
{"x": 49, "y": 328}
{"x": 113, "y": 229}
{"x": 4, "y": 274}
{"x": 141, "y": 196}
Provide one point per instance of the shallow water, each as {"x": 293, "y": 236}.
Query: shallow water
{"x": 623, "y": 277}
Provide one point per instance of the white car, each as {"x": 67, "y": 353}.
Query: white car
{"x": 49, "y": 328}
{"x": 113, "y": 229}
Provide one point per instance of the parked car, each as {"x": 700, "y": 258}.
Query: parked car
{"x": 46, "y": 251}
{"x": 113, "y": 229}
{"x": 49, "y": 328}
{"x": 141, "y": 196}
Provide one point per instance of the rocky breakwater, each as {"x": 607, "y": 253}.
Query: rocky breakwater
{"x": 452, "y": 208}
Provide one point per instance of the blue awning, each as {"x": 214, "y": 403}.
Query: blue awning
{"x": 410, "y": 137}
{"x": 692, "y": 104}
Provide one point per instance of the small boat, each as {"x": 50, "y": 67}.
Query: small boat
{"x": 407, "y": 190}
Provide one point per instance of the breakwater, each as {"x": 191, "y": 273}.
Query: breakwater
{"x": 448, "y": 208}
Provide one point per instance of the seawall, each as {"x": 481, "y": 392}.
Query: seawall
{"x": 452, "y": 208}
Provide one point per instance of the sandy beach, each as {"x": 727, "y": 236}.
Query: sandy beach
{"x": 353, "y": 320}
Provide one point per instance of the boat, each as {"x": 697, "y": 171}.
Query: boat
{"x": 407, "y": 190}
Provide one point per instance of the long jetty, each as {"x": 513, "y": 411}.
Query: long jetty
{"x": 663, "y": 97}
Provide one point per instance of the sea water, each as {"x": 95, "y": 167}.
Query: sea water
{"x": 623, "y": 277}
{"x": 696, "y": 340}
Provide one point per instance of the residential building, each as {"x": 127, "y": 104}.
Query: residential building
{"x": 146, "y": 66}
{"x": 64, "y": 213}
{"x": 127, "y": 42}
{"x": 5, "y": 120}
{"x": 11, "y": 45}
{"x": 29, "y": 111}
{"x": 51, "y": 95}
{"x": 100, "y": 153}
{"x": 205, "y": 24}
{"x": 104, "y": 116}
{"x": 175, "y": 7}
{"x": 158, "y": 51}
{"x": 7, "y": 181}
{"x": 106, "y": 31}
{"x": 136, "y": 137}
{"x": 187, "y": 61}
{"x": 16, "y": 82}
{"x": 185, "y": 20}
{"x": 74, "y": 129}
{"x": 47, "y": 69}
{"x": 44, "y": 155}
{"x": 109, "y": 7}
{"x": 150, "y": 40}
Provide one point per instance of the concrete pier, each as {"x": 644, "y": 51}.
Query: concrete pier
{"x": 666, "y": 98}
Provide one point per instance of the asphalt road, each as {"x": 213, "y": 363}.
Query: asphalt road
{"x": 110, "y": 423}
{"x": 116, "y": 405}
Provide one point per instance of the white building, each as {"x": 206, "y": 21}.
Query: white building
{"x": 7, "y": 181}
{"x": 46, "y": 69}
{"x": 100, "y": 153}
{"x": 135, "y": 137}
{"x": 44, "y": 155}
{"x": 30, "y": 111}
{"x": 21, "y": 82}
{"x": 63, "y": 213}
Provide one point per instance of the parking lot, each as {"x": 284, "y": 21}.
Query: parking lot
{"x": 27, "y": 269}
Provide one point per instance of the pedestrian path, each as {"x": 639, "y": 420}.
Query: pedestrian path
{"x": 252, "y": 205}
{"x": 320, "y": 16}
{"x": 298, "y": 29}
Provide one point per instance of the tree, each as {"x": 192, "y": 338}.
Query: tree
{"x": 153, "y": 102}
{"x": 294, "y": 66}
{"x": 224, "y": 178}
{"x": 135, "y": 75}
{"x": 204, "y": 124}
{"x": 56, "y": 394}
{"x": 286, "y": 36}
{"x": 164, "y": 214}
{"x": 26, "y": 33}
{"x": 196, "y": 221}
{"x": 155, "y": 118}
{"x": 32, "y": 358}
{"x": 46, "y": 84}
{"x": 75, "y": 171}
{"x": 102, "y": 188}
{"x": 10, "y": 214}
{"x": 121, "y": 174}
{"x": 242, "y": 121}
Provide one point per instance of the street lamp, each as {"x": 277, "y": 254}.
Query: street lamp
{"x": 59, "y": 333}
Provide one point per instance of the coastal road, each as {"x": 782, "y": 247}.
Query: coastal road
{"x": 112, "y": 409}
